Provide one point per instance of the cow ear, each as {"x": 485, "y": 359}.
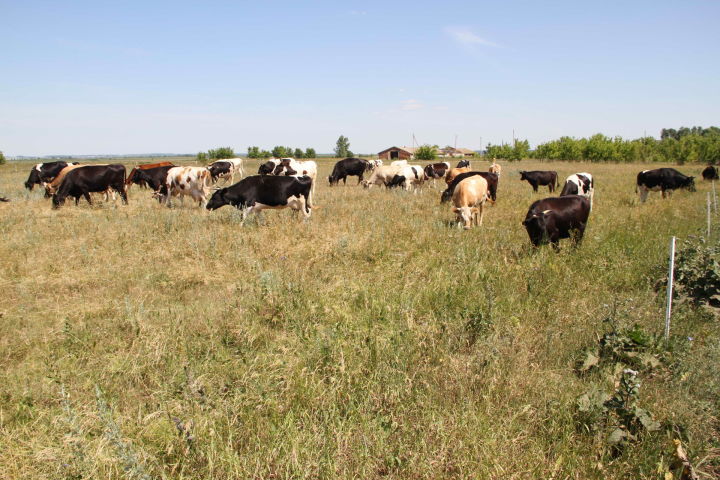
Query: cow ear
{"x": 455, "y": 210}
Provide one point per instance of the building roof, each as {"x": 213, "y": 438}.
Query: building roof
{"x": 410, "y": 150}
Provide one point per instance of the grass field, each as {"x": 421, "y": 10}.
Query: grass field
{"x": 372, "y": 341}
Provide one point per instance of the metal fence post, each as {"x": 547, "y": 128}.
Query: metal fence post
{"x": 671, "y": 279}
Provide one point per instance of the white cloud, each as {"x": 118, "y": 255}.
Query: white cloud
{"x": 465, "y": 36}
{"x": 410, "y": 104}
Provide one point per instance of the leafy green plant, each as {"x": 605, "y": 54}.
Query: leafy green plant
{"x": 697, "y": 271}
{"x": 426, "y": 152}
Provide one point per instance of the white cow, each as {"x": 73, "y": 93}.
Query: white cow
{"x": 409, "y": 177}
{"x": 296, "y": 168}
{"x": 226, "y": 169}
{"x": 398, "y": 163}
{"x": 382, "y": 175}
{"x": 580, "y": 184}
{"x": 373, "y": 164}
{"x": 193, "y": 181}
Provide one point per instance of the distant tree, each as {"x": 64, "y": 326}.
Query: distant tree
{"x": 202, "y": 157}
{"x": 520, "y": 150}
{"x": 426, "y": 152}
{"x": 342, "y": 147}
{"x": 310, "y": 153}
{"x": 253, "y": 152}
{"x": 265, "y": 154}
{"x": 279, "y": 152}
{"x": 2, "y": 158}
{"x": 220, "y": 153}
{"x": 298, "y": 153}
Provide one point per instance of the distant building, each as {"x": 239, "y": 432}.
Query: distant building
{"x": 456, "y": 152}
{"x": 397, "y": 153}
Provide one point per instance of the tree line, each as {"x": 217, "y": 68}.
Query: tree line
{"x": 221, "y": 153}
{"x": 684, "y": 145}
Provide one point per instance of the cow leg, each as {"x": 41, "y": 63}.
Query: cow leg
{"x": 535, "y": 187}
{"x": 87, "y": 197}
{"x": 643, "y": 194}
{"x": 482, "y": 213}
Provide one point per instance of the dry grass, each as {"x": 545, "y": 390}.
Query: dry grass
{"x": 372, "y": 341}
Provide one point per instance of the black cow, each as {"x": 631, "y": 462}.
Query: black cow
{"x": 259, "y": 192}
{"x": 663, "y": 179}
{"x": 220, "y": 169}
{"x": 83, "y": 181}
{"x": 492, "y": 180}
{"x": 154, "y": 178}
{"x": 268, "y": 167}
{"x": 541, "y": 177}
{"x": 44, "y": 173}
{"x": 551, "y": 219}
{"x": 463, "y": 163}
{"x": 348, "y": 167}
{"x": 710, "y": 173}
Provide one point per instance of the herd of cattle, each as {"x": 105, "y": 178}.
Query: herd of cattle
{"x": 286, "y": 182}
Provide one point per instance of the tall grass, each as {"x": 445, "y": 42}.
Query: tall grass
{"x": 372, "y": 341}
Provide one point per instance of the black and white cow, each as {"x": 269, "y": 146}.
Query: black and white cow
{"x": 226, "y": 169}
{"x": 662, "y": 179}
{"x": 408, "y": 177}
{"x": 268, "y": 167}
{"x": 540, "y": 177}
{"x": 260, "y": 192}
{"x": 710, "y": 173}
{"x": 154, "y": 178}
{"x": 463, "y": 163}
{"x": 491, "y": 178}
{"x": 83, "y": 181}
{"x": 554, "y": 218}
{"x": 436, "y": 170}
{"x": 43, "y": 173}
{"x": 348, "y": 167}
{"x": 580, "y": 184}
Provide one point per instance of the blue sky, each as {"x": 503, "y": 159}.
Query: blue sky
{"x": 137, "y": 76}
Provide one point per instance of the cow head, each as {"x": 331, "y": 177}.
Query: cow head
{"x": 446, "y": 195}
{"x": 33, "y": 179}
{"x": 536, "y": 226}
{"x": 522, "y": 175}
{"x": 690, "y": 184}
{"x": 332, "y": 180}
{"x": 465, "y": 215}
{"x": 217, "y": 200}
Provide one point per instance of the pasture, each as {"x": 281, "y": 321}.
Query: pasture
{"x": 375, "y": 340}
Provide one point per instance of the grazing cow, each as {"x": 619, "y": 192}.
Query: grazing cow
{"x": 52, "y": 187}
{"x": 468, "y": 200}
{"x": 463, "y": 164}
{"x": 259, "y": 192}
{"x": 226, "y": 169}
{"x": 132, "y": 177}
{"x": 662, "y": 179}
{"x": 193, "y": 181}
{"x": 398, "y": 163}
{"x": 44, "y": 173}
{"x": 540, "y": 177}
{"x": 551, "y": 219}
{"x": 454, "y": 172}
{"x": 295, "y": 168}
{"x": 580, "y": 184}
{"x": 90, "y": 179}
{"x": 436, "y": 170}
{"x": 381, "y": 176}
{"x": 710, "y": 173}
{"x": 491, "y": 178}
{"x": 268, "y": 167}
{"x": 348, "y": 167}
{"x": 155, "y": 179}
{"x": 495, "y": 168}
{"x": 409, "y": 176}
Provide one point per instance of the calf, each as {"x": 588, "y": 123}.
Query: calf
{"x": 710, "y": 173}
{"x": 463, "y": 164}
{"x": 436, "y": 170}
{"x": 552, "y": 219}
{"x": 259, "y": 192}
{"x": 580, "y": 184}
{"x": 540, "y": 177}
{"x": 348, "y": 167}
{"x": 181, "y": 181}
{"x": 409, "y": 176}
{"x": 490, "y": 178}
{"x": 662, "y": 179}
{"x": 468, "y": 200}
{"x": 381, "y": 176}
{"x": 89, "y": 179}
{"x": 43, "y": 173}
{"x": 495, "y": 168}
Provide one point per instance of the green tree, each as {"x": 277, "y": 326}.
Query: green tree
{"x": 279, "y": 152}
{"x": 220, "y": 153}
{"x": 298, "y": 153}
{"x": 2, "y": 158}
{"x": 310, "y": 153}
{"x": 342, "y": 147}
{"x": 253, "y": 152}
{"x": 202, "y": 157}
{"x": 426, "y": 152}
{"x": 520, "y": 150}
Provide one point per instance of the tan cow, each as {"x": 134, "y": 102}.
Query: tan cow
{"x": 495, "y": 168}
{"x": 451, "y": 174}
{"x": 468, "y": 199}
{"x": 382, "y": 175}
{"x": 193, "y": 181}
